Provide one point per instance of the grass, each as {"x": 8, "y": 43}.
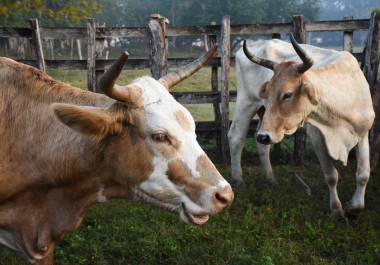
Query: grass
{"x": 264, "y": 226}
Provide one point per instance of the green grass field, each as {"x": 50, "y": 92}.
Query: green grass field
{"x": 265, "y": 225}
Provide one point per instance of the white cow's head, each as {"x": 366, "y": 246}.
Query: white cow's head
{"x": 289, "y": 96}
{"x": 152, "y": 145}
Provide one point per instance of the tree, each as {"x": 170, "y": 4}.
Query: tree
{"x": 49, "y": 12}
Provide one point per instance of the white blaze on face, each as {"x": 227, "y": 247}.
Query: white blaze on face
{"x": 163, "y": 114}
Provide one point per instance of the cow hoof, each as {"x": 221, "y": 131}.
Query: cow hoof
{"x": 338, "y": 215}
{"x": 237, "y": 183}
{"x": 273, "y": 182}
{"x": 352, "y": 210}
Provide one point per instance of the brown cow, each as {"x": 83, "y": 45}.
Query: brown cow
{"x": 64, "y": 149}
{"x": 330, "y": 96}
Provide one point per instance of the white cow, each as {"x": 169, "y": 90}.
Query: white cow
{"x": 332, "y": 98}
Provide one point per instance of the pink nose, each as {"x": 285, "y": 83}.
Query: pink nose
{"x": 223, "y": 198}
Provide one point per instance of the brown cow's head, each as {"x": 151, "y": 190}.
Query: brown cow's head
{"x": 150, "y": 143}
{"x": 290, "y": 98}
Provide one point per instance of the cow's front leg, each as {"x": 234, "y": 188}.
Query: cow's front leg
{"x": 356, "y": 204}
{"x": 263, "y": 152}
{"x": 329, "y": 171}
{"x": 244, "y": 112}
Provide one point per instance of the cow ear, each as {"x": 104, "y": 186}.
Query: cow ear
{"x": 87, "y": 120}
{"x": 310, "y": 92}
{"x": 264, "y": 90}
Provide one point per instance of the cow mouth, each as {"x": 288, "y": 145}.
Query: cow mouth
{"x": 194, "y": 218}
{"x": 142, "y": 195}
{"x": 188, "y": 216}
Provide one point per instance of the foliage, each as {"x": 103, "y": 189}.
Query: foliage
{"x": 136, "y": 12}
{"x": 193, "y": 12}
{"x": 341, "y": 8}
{"x": 49, "y": 12}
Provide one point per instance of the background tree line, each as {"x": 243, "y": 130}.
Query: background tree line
{"x": 179, "y": 12}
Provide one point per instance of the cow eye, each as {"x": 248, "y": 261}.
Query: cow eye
{"x": 160, "y": 138}
{"x": 287, "y": 96}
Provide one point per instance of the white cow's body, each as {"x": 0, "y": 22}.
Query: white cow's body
{"x": 250, "y": 78}
{"x": 339, "y": 121}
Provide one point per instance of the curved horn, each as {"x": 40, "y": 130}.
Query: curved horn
{"x": 173, "y": 78}
{"x": 260, "y": 61}
{"x": 108, "y": 79}
{"x": 307, "y": 61}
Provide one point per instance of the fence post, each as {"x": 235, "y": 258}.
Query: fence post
{"x": 300, "y": 33}
{"x": 277, "y": 152}
{"x": 79, "y": 46}
{"x": 347, "y": 37}
{"x": 99, "y": 48}
{"x": 158, "y": 46}
{"x": 214, "y": 87}
{"x": 91, "y": 54}
{"x": 371, "y": 68}
{"x": 224, "y": 92}
{"x": 36, "y": 40}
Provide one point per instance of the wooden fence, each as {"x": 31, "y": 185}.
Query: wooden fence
{"x": 157, "y": 32}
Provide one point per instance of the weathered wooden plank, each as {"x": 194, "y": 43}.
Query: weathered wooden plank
{"x": 372, "y": 51}
{"x": 6, "y": 32}
{"x": 122, "y": 32}
{"x": 36, "y": 41}
{"x": 300, "y": 35}
{"x": 337, "y": 25}
{"x": 63, "y": 33}
{"x": 133, "y": 63}
{"x": 299, "y": 28}
{"x": 193, "y": 30}
{"x": 91, "y": 55}
{"x": 347, "y": 36}
{"x": 158, "y": 52}
{"x": 224, "y": 90}
{"x": 212, "y": 39}
{"x": 371, "y": 71}
{"x": 202, "y": 97}
{"x": 261, "y": 28}
{"x": 214, "y": 127}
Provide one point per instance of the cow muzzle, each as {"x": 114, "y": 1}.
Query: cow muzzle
{"x": 263, "y": 138}
{"x": 198, "y": 213}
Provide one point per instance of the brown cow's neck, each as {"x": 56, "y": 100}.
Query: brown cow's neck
{"x": 39, "y": 217}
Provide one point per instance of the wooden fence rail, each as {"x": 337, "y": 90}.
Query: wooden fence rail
{"x": 157, "y": 33}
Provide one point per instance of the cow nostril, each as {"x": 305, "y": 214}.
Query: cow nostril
{"x": 263, "y": 138}
{"x": 223, "y": 198}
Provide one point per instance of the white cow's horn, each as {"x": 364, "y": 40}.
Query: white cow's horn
{"x": 173, "y": 78}
{"x": 108, "y": 79}
{"x": 257, "y": 60}
{"x": 307, "y": 61}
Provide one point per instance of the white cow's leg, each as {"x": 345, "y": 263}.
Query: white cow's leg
{"x": 329, "y": 171}
{"x": 237, "y": 134}
{"x": 263, "y": 151}
{"x": 362, "y": 175}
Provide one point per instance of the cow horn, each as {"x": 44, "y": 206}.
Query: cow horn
{"x": 260, "y": 61}
{"x": 108, "y": 79}
{"x": 307, "y": 61}
{"x": 173, "y": 78}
